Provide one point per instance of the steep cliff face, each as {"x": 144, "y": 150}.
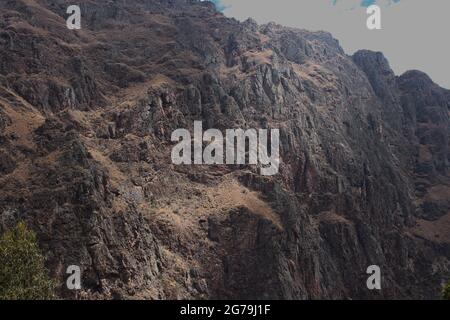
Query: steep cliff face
{"x": 85, "y": 124}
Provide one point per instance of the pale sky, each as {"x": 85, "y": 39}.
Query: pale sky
{"x": 415, "y": 34}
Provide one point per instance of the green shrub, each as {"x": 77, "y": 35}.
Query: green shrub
{"x": 446, "y": 291}
{"x": 22, "y": 272}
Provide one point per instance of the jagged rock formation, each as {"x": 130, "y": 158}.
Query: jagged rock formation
{"x": 85, "y": 124}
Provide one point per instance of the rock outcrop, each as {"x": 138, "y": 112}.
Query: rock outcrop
{"x": 85, "y": 123}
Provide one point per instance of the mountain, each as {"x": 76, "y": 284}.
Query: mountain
{"x": 86, "y": 118}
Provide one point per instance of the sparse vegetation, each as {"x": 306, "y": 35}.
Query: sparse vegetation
{"x": 22, "y": 272}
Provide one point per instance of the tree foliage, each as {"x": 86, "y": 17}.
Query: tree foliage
{"x": 22, "y": 272}
{"x": 446, "y": 291}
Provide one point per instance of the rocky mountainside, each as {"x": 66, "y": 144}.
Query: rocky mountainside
{"x": 86, "y": 118}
